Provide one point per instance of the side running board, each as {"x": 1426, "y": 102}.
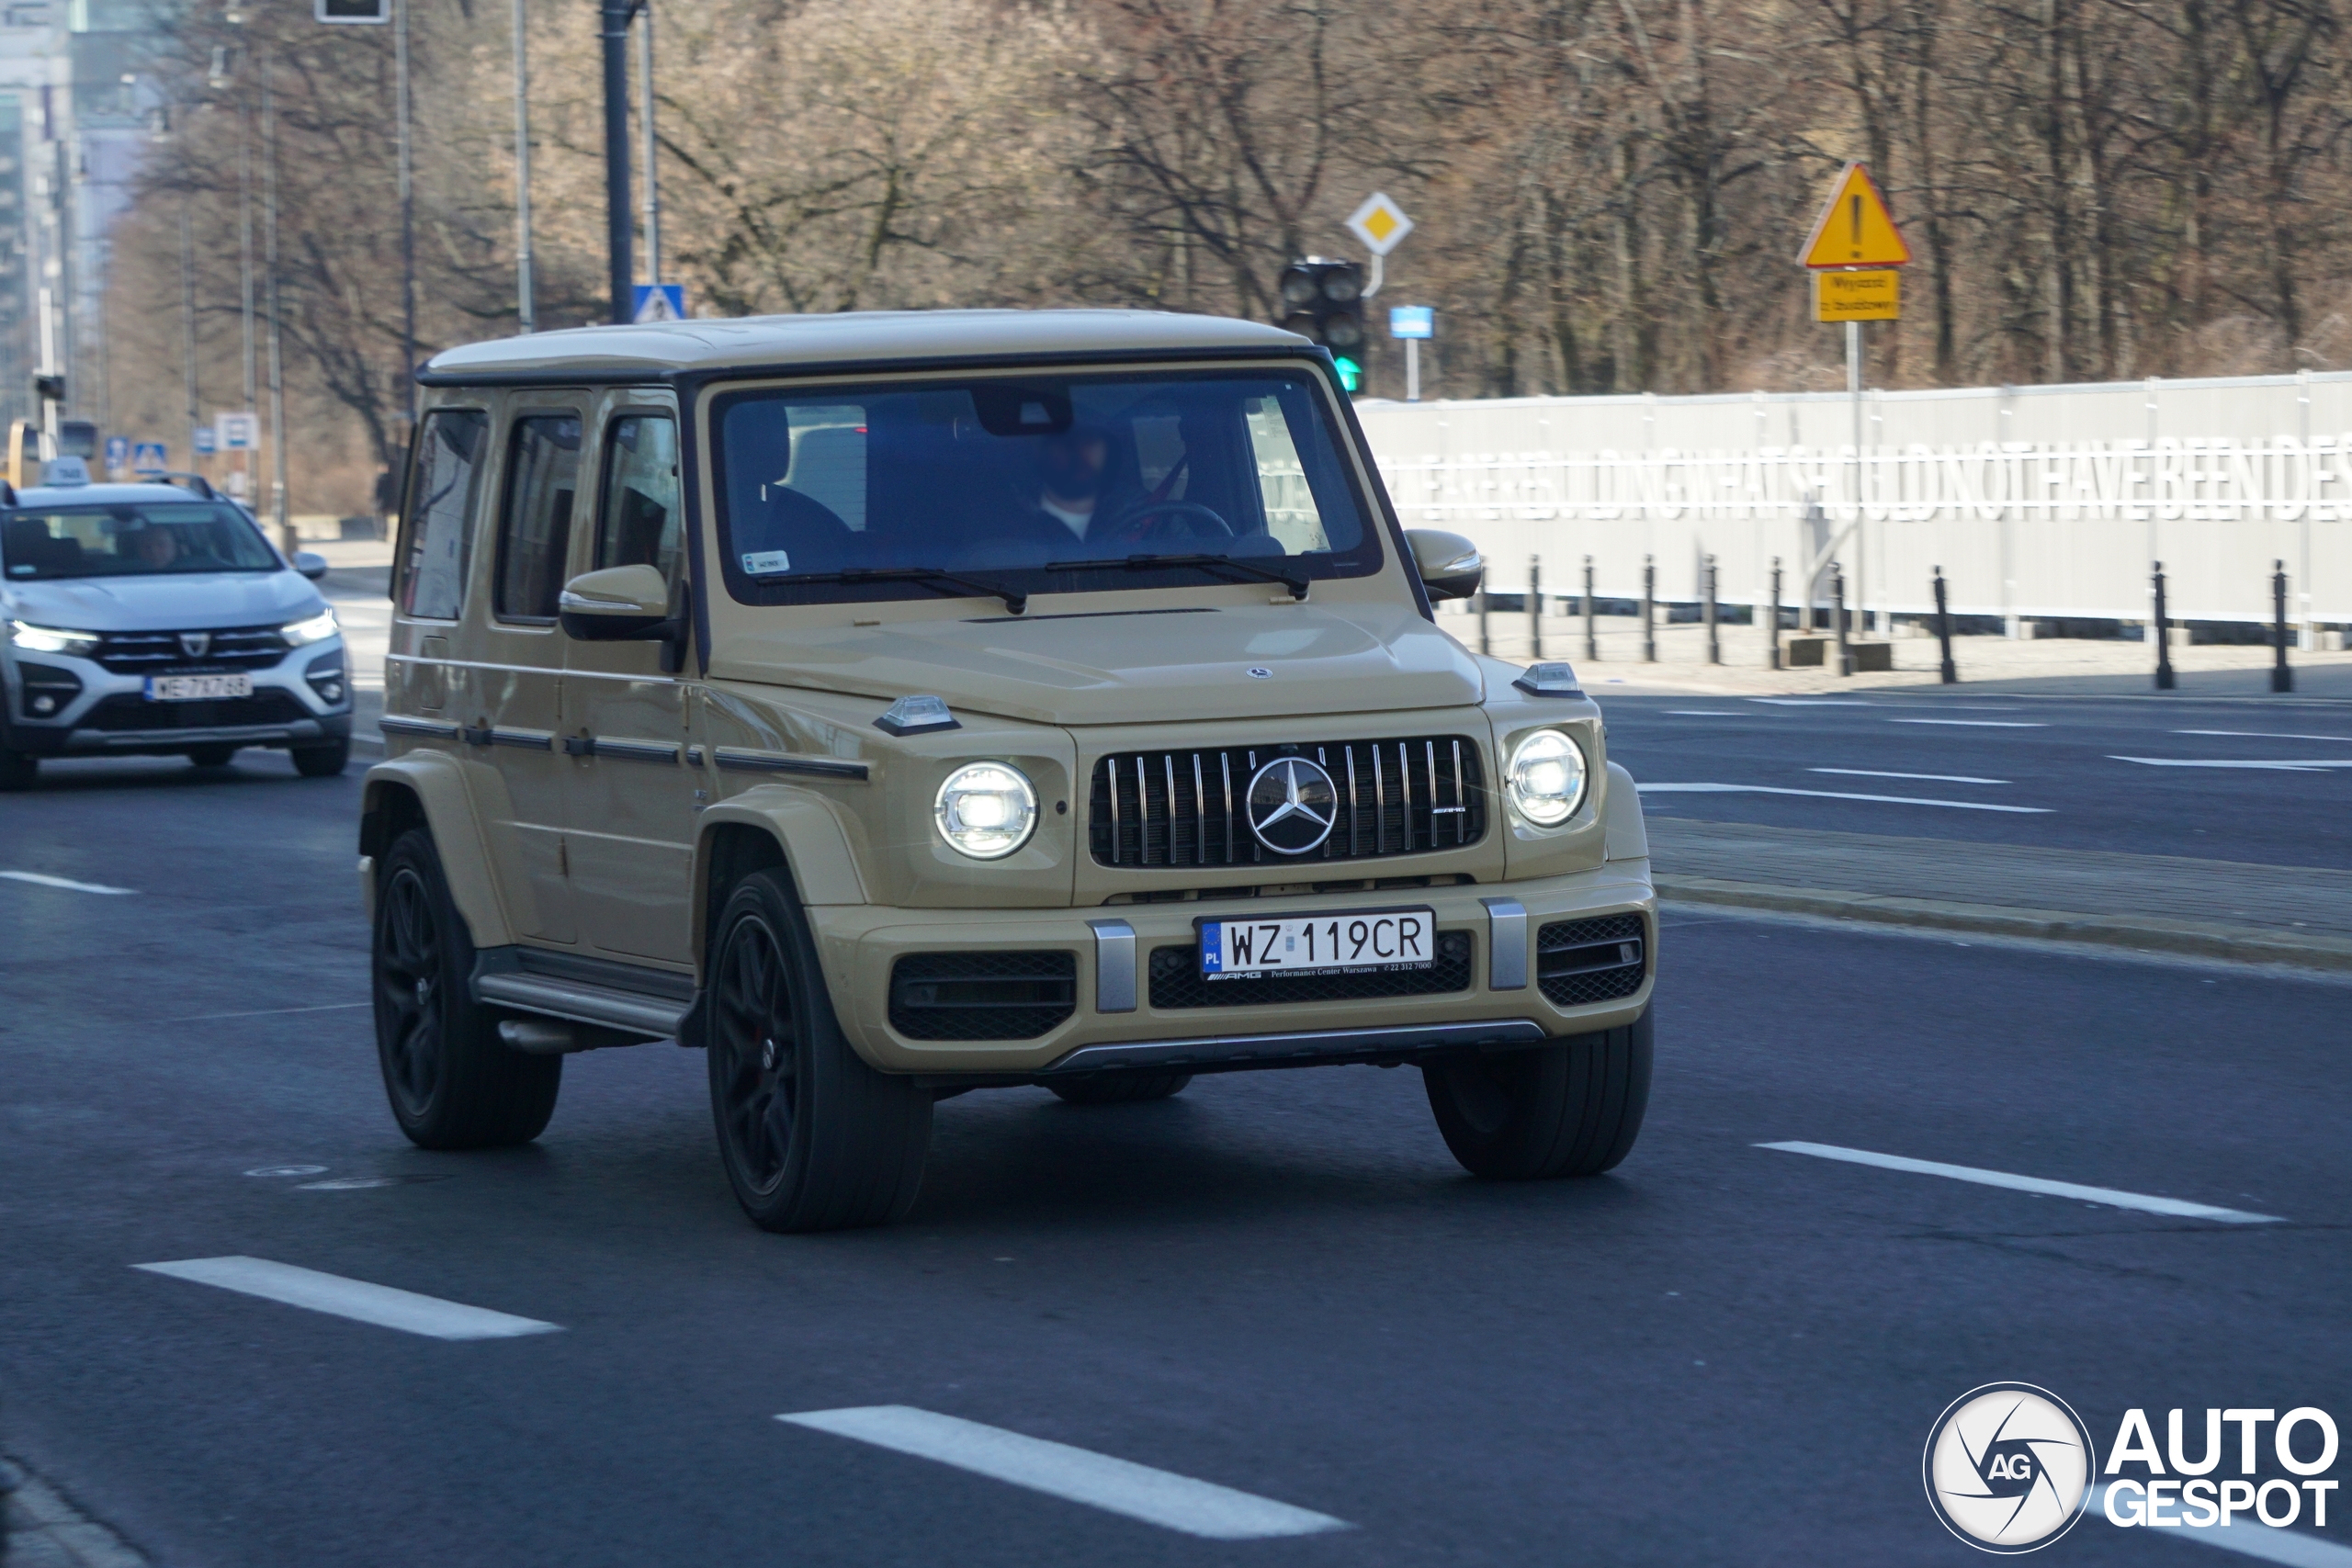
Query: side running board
{"x": 651, "y": 1003}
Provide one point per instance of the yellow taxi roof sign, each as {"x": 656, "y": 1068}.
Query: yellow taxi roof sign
{"x": 1855, "y": 228}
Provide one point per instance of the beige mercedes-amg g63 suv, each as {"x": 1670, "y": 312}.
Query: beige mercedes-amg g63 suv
{"x": 891, "y": 705}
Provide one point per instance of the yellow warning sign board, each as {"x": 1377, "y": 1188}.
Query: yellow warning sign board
{"x": 1855, "y": 228}
{"x": 1873, "y": 293}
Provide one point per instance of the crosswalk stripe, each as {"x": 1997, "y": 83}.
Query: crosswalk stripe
{"x": 355, "y": 1298}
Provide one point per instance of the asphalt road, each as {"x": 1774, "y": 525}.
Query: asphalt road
{"x": 1961, "y": 766}
{"x": 1278, "y": 1283}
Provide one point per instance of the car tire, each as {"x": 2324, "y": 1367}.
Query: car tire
{"x": 812, "y": 1138}
{"x": 1572, "y": 1108}
{"x": 322, "y": 761}
{"x": 1119, "y": 1089}
{"x": 211, "y": 756}
{"x": 18, "y": 769}
{"x": 452, "y": 1084}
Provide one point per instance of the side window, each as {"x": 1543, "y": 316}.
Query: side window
{"x": 639, "y": 524}
{"x": 439, "y": 525}
{"x": 1284, "y": 496}
{"x": 535, "y": 526}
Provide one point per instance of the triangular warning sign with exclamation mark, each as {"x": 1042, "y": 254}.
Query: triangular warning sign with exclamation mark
{"x": 1855, "y": 228}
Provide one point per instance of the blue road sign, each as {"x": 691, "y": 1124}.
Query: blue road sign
{"x": 150, "y": 458}
{"x": 660, "y": 302}
{"x": 117, "y": 451}
{"x": 1413, "y": 321}
{"x": 204, "y": 440}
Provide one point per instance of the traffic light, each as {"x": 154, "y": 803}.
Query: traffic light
{"x": 49, "y": 388}
{"x": 1323, "y": 300}
{"x": 375, "y": 12}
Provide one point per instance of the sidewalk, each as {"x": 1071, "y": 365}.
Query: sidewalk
{"x": 2259, "y": 914}
{"x": 38, "y": 1529}
{"x": 2052, "y": 666}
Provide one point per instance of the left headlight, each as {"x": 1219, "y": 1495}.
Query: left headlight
{"x": 987, "y": 810}
{"x": 1546, "y": 778}
{"x": 318, "y": 628}
{"x": 52, "y": 639}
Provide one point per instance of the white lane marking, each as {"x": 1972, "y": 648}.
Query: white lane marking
{"x": 2178, "y": 1208}
{"x": 1156, "y": 1496}
{"x": 2265, "y": 734}
{"x": 1698, "y": 712}
{"x": 2299, "y": 765}
{"x": 265, "y": 1012}
{"x": 2296, "y": 1549}
{"x": 39, "y": 879}
{"x": 1812, "y": 701}
{"x": 1977, "y": 722}
{"x": 1834, "y": 794}
{"x": 1936, "y": 778}
{"x": 355, "y": 1299}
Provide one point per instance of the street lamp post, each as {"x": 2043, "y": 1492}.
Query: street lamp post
{"x": 277, "y": 347}
{"x": 620, "y": 274}
{"x": 527, "y": 307}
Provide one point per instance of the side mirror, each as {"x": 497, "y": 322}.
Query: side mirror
{"x": 1450, "y": 565}
{"x": 627, "y": 604}
{"x": 311, "y": 564}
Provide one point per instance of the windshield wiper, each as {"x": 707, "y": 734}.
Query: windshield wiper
{"x": 1014, "y": 601}
{"x": 1296, "y": 582}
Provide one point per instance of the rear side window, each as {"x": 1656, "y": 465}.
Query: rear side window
{"x": 438, "y": 527}
{"x": 637, "y": 524}
{"x": 535, "y": 526}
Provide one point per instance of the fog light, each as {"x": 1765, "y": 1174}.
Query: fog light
{"x": 44, "y": 704}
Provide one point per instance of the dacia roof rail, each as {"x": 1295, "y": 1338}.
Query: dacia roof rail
{"x": 196, "y": 483}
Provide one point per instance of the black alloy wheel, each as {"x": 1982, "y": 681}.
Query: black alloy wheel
{"x": 755, "y": 1056}
{"x": 407, "y": 1017}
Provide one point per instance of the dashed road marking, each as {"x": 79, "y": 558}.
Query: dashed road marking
{"x": 1079, "y": 1475}
{"x": 1699, "y": 713}
{"x": 2265, "y": 734}
{"x": 1932, "y": 778}
{"x": 265, "y": 1012}
{"x": 2299, "y": 765}
{"x": 1812, "y": 702}
{"x": 40, "y": 879}
{"x": 1836, "y": 795}
{"x": 2176, "y": 1207}
{"x": 1978, "y": 723}
{"x": 355, "y": 1299}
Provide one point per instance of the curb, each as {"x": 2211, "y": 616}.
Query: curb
{"x": 2196, "y": 938}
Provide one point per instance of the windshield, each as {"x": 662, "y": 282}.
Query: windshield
{"x": 131, "y": 539}
{"x": 1033, "y": 484}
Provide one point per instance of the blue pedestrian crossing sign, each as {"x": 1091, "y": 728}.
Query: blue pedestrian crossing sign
{"x": 117, "y": 451}
{"x": 206, "y": 440}
{"x": 149, "y": 457}
{"x": 660, "y": 302}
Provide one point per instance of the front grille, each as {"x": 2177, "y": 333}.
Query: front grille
{"x": 160, "y": 653}
{"x": 1176, "y": 980}
{"x": 1577, "y": 962}
{"x": 982, "y": 996}
{"x": 130, "y": 711}
{"x": 1187, "y": 808}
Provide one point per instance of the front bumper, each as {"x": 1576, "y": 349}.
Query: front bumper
{"x": 1115, "y": 1023}
{"x": 109, "y": 715}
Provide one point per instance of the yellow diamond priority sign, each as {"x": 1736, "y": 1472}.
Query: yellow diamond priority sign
{"x": 1380, "y": 223}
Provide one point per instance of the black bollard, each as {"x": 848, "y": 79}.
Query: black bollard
{"x": 1943, "y": 630}
{"x": 2282, "y": 677}
{"x": 1714, "y": 646}
{"x": 1592, "y": 634}
{"x": 1772, "y": 624}
{"x": 1838, "y": 618}
{"x": 1535, "y": 607}
{"x": 1649, "y": 609}
{"x": 2164, "y": 636}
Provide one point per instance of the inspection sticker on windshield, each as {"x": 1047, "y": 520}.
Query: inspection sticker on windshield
{"x": 766, "y": 563}
{"x": 197, "y": 688}
{"x": 1372, "y": 942}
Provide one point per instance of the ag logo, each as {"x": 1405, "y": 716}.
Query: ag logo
{"x": 2008, "y": 1467}
{"x": 1292, "y": 805}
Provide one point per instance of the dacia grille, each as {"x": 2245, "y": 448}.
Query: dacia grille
{"x": 167, "y": 653}
{"x": 1399, "y": 796}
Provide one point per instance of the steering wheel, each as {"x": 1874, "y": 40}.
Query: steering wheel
{"x": 1163, "y": 514}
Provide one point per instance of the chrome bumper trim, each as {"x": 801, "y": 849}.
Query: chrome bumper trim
{"x": 1114, "y": 965}
{"x": 1313, "y": 1046}
{"x": 1506, "y": 945}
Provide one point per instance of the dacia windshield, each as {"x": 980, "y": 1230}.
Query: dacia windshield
{"x": 1007, "y": 485}
{"x": 131, "y": 539}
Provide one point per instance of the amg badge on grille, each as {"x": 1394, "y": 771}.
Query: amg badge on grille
{"x": 1292, "y": 805}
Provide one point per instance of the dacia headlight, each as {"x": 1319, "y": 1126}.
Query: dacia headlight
{"x": 987, "y": 810}
{"x": 52, "y": 639}
{"x": 318, "y": 628}
{"x": 1546, "y": 777}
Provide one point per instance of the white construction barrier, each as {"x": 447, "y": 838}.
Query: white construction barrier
{"x": 2039, "y": 502}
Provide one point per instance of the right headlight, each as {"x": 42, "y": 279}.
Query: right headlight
{"x": 1545, "y": 780}
{"x": 52, "y": 639}
{"x": 986, "y": 809}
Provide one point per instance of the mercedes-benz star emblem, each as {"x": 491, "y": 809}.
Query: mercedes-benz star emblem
{"x": 195, "y": 644}
{"x": 1292, "y": 805}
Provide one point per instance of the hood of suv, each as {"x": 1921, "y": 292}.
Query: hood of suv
{"x": 1141, "y": 667}
{"x": 163, "y": 602}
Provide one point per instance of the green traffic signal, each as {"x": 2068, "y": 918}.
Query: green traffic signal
{"x": 1350, "y": 373}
